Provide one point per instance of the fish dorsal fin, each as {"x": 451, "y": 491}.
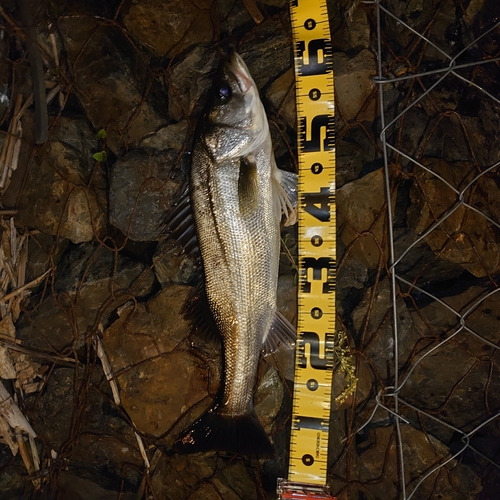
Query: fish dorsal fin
{"x": 281, "y": 332}
{"x": 284, "y": 194}
{"x": 179, "y": 225}
{"x": 248, "y": 195}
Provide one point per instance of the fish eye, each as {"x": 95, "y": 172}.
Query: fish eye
{"x": 223, "y": 92}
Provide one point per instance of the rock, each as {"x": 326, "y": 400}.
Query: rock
{"x": 167, "y": 29}
{"x": 87, "y": 289}
{"x": 281, "y": 94}
{"x": 201, "y": 476}
{"x": 5, "y": 74}
{"x": 111, "y": 82}
{"x": 44, "y": 250}
{"x": 64, "y": 191}
{"x": 375, "y": 462}
{"x": 189, "y": 82}
{"x": 269, "y": 398}
{"x": 139, "y": 194}
{"x": 169, "y": 137}
{"x": 354, "y": 86}
{"x": 373, "y": 323}
{"x": 465, "y": 237}
{"x": 361, "y": 214}
{"x": 266, "y": 51}
{"x": 172, "y": 265}
{"x": 147, "y": 330}
{"x": 13, "y": 480}
{"x": 72, "y": 485}
{"x": 158, "y": 391}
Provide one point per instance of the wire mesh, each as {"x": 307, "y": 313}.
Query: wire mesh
{"x": 435, "y": 78}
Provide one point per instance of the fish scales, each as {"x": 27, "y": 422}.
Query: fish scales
{"x": 237, "y": 203}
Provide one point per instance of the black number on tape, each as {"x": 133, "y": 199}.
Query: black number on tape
{"x": 317, "y": 265}
{"x": 314, "y": 144}
{"x": 314, "y": 66}
{"x": 318, "y": 204}
{"x": 317, "y": 362}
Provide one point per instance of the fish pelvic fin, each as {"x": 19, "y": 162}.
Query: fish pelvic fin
{"x": 242, "y": 434}
{"x": 282, "y": 332}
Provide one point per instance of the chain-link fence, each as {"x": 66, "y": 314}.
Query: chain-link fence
{"x": 429, "y": 329}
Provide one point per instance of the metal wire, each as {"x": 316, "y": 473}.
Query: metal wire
{"x": 392, "y": 149}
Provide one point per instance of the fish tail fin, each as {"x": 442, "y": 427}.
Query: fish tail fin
{"x": 243, "y": 434}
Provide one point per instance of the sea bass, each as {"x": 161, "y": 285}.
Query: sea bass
{"x": 238, "y": 197}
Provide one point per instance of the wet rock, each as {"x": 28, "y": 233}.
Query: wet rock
{"x": 167, "y": 29}
{"x": 139, "y": 194}
{"x": 361, "y": 213}
{"x": 354, "y": 86}
{"x": 465, "y": 237}
{"x": 147, "y": 330}
{"x": 64, "y": 192}
{"x": 111, "y": 82}
{"x": 88, "y": 288}
{"x": 189, "y": 82}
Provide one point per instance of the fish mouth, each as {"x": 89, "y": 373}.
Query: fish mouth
{"x": 238, "y": 68}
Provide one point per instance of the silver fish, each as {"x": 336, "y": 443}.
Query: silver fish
{"x": 238, "y": 197}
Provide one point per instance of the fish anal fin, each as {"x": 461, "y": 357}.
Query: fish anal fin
{"x": 242, "y": 434}
{"x": 282, "y": 332}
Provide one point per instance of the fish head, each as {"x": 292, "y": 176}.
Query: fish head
{"x": 235, "y": 123}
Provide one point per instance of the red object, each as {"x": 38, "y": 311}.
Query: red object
{"x": 299, "y": 491}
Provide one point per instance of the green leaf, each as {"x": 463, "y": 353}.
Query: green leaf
{"x": 102, "y": 134}
{"x": 101, "y": 156}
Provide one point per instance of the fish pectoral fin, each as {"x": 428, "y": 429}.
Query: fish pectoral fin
{"x": 242, "y": 434}
{"x": 285, "y": 195}
{"x": 179, "y": 225}
{"x": 282, "y": 332}
{"x": 248, "y": 195}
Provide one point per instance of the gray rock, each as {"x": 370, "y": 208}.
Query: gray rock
{"x": 167, "y": 29}
{"x": 354, "y": 86}
{"x": 189, "y": 81}
{"x": 64, "y": 191}
{"x": 111, "y": 84}
{"x": 141, "y": 189}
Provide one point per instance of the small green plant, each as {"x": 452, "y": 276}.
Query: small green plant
{"x": 102, "y": 134}
{"x": 100, "y": 156}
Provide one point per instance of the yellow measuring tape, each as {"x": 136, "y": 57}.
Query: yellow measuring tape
{"x": 317, "y": 245}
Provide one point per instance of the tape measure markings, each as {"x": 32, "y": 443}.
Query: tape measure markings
{"x": 316, "y": 240}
